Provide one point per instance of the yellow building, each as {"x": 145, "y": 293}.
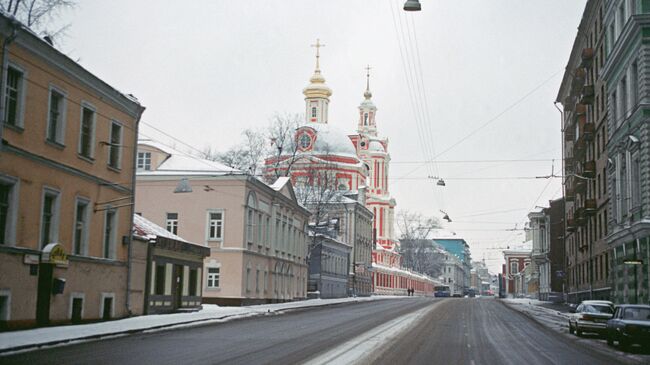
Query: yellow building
{"x": 66, "y": 188}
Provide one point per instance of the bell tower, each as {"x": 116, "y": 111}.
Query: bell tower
{"x": 317, "y": 93}
{"x": 367, "y": 111}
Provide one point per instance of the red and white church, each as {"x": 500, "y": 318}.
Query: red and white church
{"x": 360, "y": 162}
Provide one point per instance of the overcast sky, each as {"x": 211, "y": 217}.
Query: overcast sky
{"x": 206, "y": 70}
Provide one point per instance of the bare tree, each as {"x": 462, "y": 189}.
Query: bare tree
{"x": 419, "y": 252}
{"x": 38, "y": 14}
{"x": 247, "y": 156}
{"x": 282, "y": 133}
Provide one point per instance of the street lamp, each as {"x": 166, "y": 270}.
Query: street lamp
{"x": 412, "y": 5}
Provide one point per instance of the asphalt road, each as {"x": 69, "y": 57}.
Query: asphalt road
{"x": 278, "y": 339}
{"x": 454, "y": 331}
{"x": 485, "y": 331}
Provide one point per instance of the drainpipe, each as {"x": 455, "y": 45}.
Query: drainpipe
{"x": 3, "y": 74}
{"x": 130, "y": 252}
{"x": 564, "y": 295}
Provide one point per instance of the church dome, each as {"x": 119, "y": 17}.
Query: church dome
{"x": 328, "y": 140}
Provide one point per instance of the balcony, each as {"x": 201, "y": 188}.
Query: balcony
{"x": 589, "y": 169}
{"x": 579, "y": 148}
{"x": 590, "y": 206}
{"x": 580, "y": 74}
{"x": 587, "y": 57}
{"x": 587, "y": 95}
{"x": 569, "y": 165}
{"x": 571, "y": 225}
{"x": 569, "y": 134}
{"x": 581, "y": 186}
{"x": 581, "y": 109}
{"x": 588, "y": 130}
{"x": 580, "y": 216}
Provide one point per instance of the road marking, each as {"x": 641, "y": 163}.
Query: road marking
{"x": 362, "y": 346}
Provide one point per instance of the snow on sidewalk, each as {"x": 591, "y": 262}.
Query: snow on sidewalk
{"x": 549, "y": 317}
{"x": 16, "y": 340}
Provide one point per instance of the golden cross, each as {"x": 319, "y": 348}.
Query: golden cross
{"x": 318, "y": 45}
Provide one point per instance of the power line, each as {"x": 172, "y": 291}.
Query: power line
{"x": 474, "y": 161}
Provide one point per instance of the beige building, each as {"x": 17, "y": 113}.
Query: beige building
{"x": 66, "y": 188}
{"x": 255, "y": 232}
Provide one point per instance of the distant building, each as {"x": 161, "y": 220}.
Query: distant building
{"x": 454, "y": 274}
{"x": 66, "y": 185}
{"x": 516, "y": 261}
{"x": 328, "y": 264}
{"x": 256, "y": 233}
{"x": 173, "y": 275}
{"x": 458, "y": 247}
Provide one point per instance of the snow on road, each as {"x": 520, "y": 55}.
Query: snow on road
{"x": 16, "y": 340}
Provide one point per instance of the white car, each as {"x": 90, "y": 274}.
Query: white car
{"x": 591, "y": 316}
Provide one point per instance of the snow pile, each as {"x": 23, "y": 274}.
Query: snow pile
{"x": 548, "y": 317}
{"x": 210, "y": 313}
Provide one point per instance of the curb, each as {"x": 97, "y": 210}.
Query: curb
{"x": 197, "y": 322}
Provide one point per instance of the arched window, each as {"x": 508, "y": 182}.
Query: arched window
{"x": 365, "y": 118}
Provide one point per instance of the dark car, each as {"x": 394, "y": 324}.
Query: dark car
{"x": 590, "y": 316}
{"x": 630, "y": 325}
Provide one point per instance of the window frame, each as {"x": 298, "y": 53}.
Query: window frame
{"x": 20, "y": 97}
{"x": 59, "y": 138}
{"x": 146, "y": 156}
{"x": 111, "y": 145}
{"x": 86, "y": 230}
{"x": 109, "y": 249}
{"x": 171, "y": 221}
{"x": 9, "y": 238}
{"x": 93, "y": 123}
{"x": 208, "y": 237}
{"x": 54, "y": 223}
{"x": 213, "y": 277}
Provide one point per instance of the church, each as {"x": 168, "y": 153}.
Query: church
{"x": 355, "y": 164}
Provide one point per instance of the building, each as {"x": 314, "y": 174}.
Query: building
{"x": 458, "y": 247}
{"x": 329, "y": 263}
{"x": 454, "y": 274}
{"x": 390, "y": 278}
{"x": 556, "y": 255}
{"x": 516, "y": 261}
{"x": 322, "y": 156}
{"x": 256, "y": 233}
{"x": 584, "y": 97}
{"x": 174, "y": 267}
{"x": 539, "y": 230}
{"x": 66, "y": 188}
{"x": 625, "y": 76}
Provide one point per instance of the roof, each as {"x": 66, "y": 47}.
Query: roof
{"x": 181, "y": 163}
{"x": 331, "y": 141}
{"x": 148, "y": 229}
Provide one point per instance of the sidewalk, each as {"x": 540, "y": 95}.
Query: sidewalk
{"x": 51, "y": 336}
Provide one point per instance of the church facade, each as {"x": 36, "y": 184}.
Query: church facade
{"x": 357, "y": 164}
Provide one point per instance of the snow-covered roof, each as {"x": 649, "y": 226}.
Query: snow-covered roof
{"x": 148, "y": 229}
{"x": 181, "y": 163}
{"x": 280, "y": 183}
{"x": 402, "y": 271}
{"x": 442, "y": 234}
{"x": 376, "y": 146}
{"x": 331, "y": 141}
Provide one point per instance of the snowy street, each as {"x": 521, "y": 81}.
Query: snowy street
{"x": 408, "y": 330}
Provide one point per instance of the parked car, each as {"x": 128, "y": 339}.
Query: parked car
{"x": 590, "y": 316}
{"x": 630, "y": 325}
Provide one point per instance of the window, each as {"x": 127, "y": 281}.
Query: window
{"x": 87, "y": 132}
{"x": 257, "y": 281}
{"x": 81, "y": 227}
{"x": 56, "y": 117}
{"x": 634, "y": 85}
{"x": 49, "y": 217}
{"x": 13, "y": 97}
{"x": 193, "y": 282}
{"x": 114, "y": 147}
{"x": 160, "y": 280}
{"x": 171, "y": 224}
{"x": 260, "y": 239}
{"x": 110, "y": 230}
{"x": 8, "y": 208}
{"x": 215, "y": 225}
{"x": 624, "y": 108}
{"x": 365, "y": 118}
{"x": 514, "y": 267}
{"x": 313, "y": 112}
{"x": 250, "y": 222}
{"x": 213, "y": 277}
{"x": 107, "y": 310}
{"x": 614, "y": 104}
{"x": 635, "y": 181}
{"x": 5, "y": 305}
{"x": 144, "y": 161}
